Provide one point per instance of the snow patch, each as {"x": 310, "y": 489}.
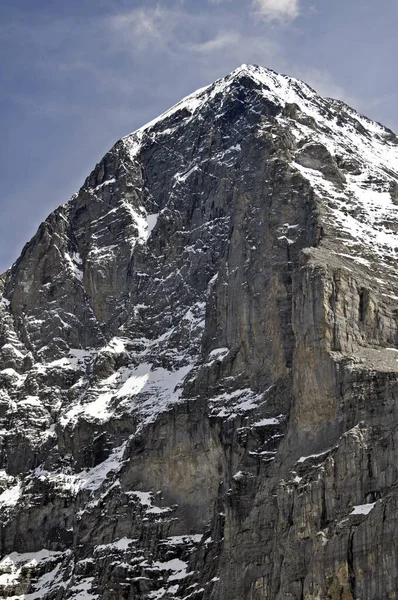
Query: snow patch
{"x": 218, "y": 354}
{"x": 362, "y": 509}
{"x": 93, "y": 478}
{"x": 179, "y": 568}
{"x": 12, "y": 348}
{"x": 151, "y": 219}
{"x": 304, "y": 458}
{"x": 81, "y": 591}
{"x": 10, "y": 497}
{"x": 231, "y": 404}
{"x": 122, "y": 544}
{"x": 177, "y": 540}
{"x": 104, "y": 184}
{"x": 135, "y": 382}
{"x": 74, "y": 262}
{"x": 146, "y": 500}
{"x": 267, "y": 422}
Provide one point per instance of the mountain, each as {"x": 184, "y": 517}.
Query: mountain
{"x": 199, "y": 368}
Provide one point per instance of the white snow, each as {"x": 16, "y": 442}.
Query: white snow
{"x": 30, "y": 401}
{"x": 146, "y": 499}
{"x": 358, "y": 259}
{"x": 11, "y": 568}
{"x": 104, "y": 184}
{"x": 191, "y": 103}
{"x": 158, "y": 510}
{"x": 136, "y": 382}
{"x": 231, "y": 404}
{"x": 12, "y": 348}
{"x": 133, "y": 144}
{"x": 96, "y": 410}
{"x": 28, "y": 558}
{"x": 140, "y": 388}
{"x": 81, "y": 591}
{"x": 76, "y": 357}
{"x": 144, "y": 388}
{"x": 157, "y": 594}
{"x": 143, "y": 221}
{"x": 151, "y": 219}
{"x": 139, "y": 220}
{"x": 88, "y": 479}
{"x": 176, "y": 540}
{"x": 122, "y": 544}
{"x": 11, "y": 496}
{"x": 218, "y": 354}
{"x": 175, "y": 564}
{"x": 270, "y": 421}
{"x": 45, "y": 584}
{"x": 362, "y": 509}
{"x": 93, "y": 478}
{"x": 304, "y": 458}
{"x": 116, "y": 345}
{"x": 162, "y": 388}
{"x": 74, "y": 262}
{"x": 4, "y": 301}
{"x": 12, "y": 373}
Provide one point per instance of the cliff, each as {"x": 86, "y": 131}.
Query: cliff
{"x": 199, "y": 363}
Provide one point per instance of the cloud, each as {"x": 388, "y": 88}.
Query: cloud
{"x": 276, "y": 10}
{"x": 176, "y": 35}
{"x": 221, "y": 41}
{"x": 141, "y": 27}
{"x": 325, "y": 85}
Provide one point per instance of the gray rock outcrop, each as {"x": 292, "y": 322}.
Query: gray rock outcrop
{"x": 199, "y": 362}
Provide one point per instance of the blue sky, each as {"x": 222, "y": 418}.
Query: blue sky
{"x": 78, "y": 75}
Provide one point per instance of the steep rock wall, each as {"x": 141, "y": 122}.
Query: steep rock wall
{"x": 199, "y": 365}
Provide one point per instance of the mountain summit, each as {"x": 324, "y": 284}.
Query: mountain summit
{"x": 198, "y": 361}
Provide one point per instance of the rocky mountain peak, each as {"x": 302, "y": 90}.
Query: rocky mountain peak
{"x": 198, "y": 361}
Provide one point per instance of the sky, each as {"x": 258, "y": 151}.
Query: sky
{"x": 78, "y": 75}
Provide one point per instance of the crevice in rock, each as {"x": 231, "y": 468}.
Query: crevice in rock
{"x": 350, "y": 564}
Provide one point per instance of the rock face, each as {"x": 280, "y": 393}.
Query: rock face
{"x": 199, "y": 362}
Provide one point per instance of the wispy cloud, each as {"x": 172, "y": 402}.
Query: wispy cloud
{"x": 144, "y": 27}
{"x": 276, "y": 10}
{"x": 215, "y": 45}
{"x": 271, "y": 10}
{"x": 221, "y": 41}
{"x": 324, "y": 83}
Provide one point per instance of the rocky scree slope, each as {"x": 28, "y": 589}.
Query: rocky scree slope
{"x": 199, "y": 362}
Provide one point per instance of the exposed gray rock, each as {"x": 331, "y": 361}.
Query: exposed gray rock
{"x": 199, "y": 362}
{"x": 316, "y": 156}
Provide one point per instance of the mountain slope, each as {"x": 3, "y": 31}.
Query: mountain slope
{"x": 199, "y": 365}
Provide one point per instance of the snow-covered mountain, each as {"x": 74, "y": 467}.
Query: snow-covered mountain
{"x": 198, "y": 361}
